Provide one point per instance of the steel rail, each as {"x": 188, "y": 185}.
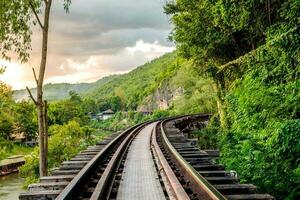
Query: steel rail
{"x": 103, "y": 188}
{"x": 173, "y": 186}
{"x": 205, "y": 188}
{"x": 74, "y": 187}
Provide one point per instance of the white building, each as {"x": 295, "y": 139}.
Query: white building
{"x": 105, "y": 114}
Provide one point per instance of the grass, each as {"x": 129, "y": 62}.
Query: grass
{"x": 10, "y": 149}
{"x": 100, "y": 134}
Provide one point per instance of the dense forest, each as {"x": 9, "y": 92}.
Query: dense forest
{"x": 238, "y": 60}
{"x": 250, "y": 49}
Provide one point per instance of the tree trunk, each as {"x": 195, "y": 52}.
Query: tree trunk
{"x": 221, "y": 112}
{"x": 40, "y": 103}
{"x": 269, "y": 11}
{"x": 219, "y": 88}
{"x": 45, "y": 119}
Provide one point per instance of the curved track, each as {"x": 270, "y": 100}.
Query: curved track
{"x": 94, "y": 181}
{"x": 197, "y": 170}
{"x": 152, "y": 160}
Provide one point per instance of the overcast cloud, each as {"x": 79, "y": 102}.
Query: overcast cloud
{"x": 97, "y": 38}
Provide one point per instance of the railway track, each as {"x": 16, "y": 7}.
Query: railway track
{"x": 153, "y": 160}
{"x": 199, "y": 174}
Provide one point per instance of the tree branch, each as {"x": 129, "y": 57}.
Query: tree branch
{"x": 35, "y": 77}
{"x": 35, "y": 13}
{"x": 31, "y": 96}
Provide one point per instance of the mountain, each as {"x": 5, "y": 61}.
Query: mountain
{"x": 60, "y": 91}
{"x": 134, "y": 87}
{"x": 157, "y": 85}
{"x": 166, "y": 82}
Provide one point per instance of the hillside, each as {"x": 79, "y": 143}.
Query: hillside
{"x": 165, "y": 82}
{"x": 60, "y": 91}
{"x": 132, "y": 88}
{"x": 168, "y": 82}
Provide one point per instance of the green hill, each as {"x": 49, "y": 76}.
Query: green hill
{"x": 157, "y": 85}
{"x": 133, "y": 85}
{"x": 132, "y": 88}
{"x": 60, "y": 91}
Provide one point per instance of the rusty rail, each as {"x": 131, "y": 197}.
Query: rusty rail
{"x": 199, "y": 183}
{"x": 104, "y": 186}
{"x": 74, "y": 187}
{"x": 173, "y": 186}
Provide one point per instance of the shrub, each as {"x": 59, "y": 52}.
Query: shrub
{"x": 65, "y": 142}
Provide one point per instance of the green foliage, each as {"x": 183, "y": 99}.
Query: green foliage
{"x": 6, "y": 125}
{"x": 63, "y": 111}
{"x": 115, "y": 103}
{"x": 64, "y": 143}
{"x": 126, "y": 92}
{"x": 10, "y": 148}
{"x": 88, "y": 105}
{"x": 16, "y": 117}
{"x": 25, "y": 118}
{"x": 160, "y": 114}
{"x": 222, "y": 30}
{"x": 16, "y": 20}
{"x": 208, "y": 137}
{"x": 119, "y": 121}
{"x": 259, "y": 90}
{"x": 6, "y": 114}
{"x": 263, "y": 109}
{"x": 6, "y": 146}
{"x": 123, "y": 120}
{"x": 199, "y": 94}
{"x": 30, "y": 170}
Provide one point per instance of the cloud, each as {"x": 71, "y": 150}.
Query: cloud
{"x": 98, "y": 66}
{"x": 16, "y": 74}
{"x": 109, "y": 15}
{"x": 153, "y": 50}
{"x": 97, "y": 38}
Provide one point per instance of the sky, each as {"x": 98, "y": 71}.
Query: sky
{"x": 97, "y": 38}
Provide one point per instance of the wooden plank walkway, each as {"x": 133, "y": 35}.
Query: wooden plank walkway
{"x": 140, "y": 179}
{"x": 12, "y": 160}
{"x": 11, "y": 165}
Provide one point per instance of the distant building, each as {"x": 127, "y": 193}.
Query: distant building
{"x": 143, "y": 110}
{"x": 105, "y": 114}
{"x": 92, "y": 116}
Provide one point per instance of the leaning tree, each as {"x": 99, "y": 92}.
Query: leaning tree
{"x": 17, "y": 18}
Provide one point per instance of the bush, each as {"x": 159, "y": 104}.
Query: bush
{"x": 30, "y": 170}
{"x": 64, "y": 143}
{"x": 208, "y": 137}
{"x": 158, "y": 114}
{"x": 263, "y": 140}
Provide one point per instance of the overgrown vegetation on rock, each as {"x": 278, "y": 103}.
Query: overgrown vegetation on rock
{"x": 250, "y": 49}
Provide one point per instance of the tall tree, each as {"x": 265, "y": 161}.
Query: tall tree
{"x": 6, "y": 107}
{"x": 213, "y": 33}
{"x": 25, "y": 119}
{"x": 16, "y": 20}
